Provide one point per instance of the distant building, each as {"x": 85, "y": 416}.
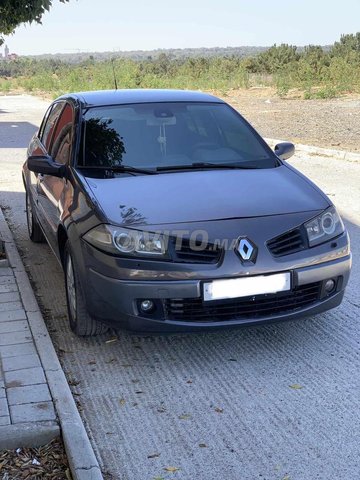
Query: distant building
{"x": 8, "y": 55}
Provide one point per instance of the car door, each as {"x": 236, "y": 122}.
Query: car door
{"x": 36, "y": 147}
{"x": 58, "y": 144}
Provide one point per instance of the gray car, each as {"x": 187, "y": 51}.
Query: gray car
{"x": 169, "y": 213}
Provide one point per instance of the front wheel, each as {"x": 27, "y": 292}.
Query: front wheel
{"x": 81, "y": 321}
{"x": 34, "y": 229}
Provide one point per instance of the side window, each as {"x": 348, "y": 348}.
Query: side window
{"x": 50, "y": 124}
{"x": 61, "y": 143}
{"x": 43, "y": 123}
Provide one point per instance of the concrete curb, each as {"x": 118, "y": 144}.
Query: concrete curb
{"x": 27, "y": 435}
{"x": 81, "y": 456}
{"x": 324, "y": 152}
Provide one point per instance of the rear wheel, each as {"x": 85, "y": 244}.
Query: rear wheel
{"x": 81, "y": 322}
{"x": 34, "y": 229}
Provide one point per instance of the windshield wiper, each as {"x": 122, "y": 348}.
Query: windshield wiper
{"x": 118, "y": 168}
{"x": 207, "y": 165}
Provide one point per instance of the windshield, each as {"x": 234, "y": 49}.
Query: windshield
{"x": 160, "y": 135}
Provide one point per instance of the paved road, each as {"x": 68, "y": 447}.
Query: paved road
{"x": 215, "y": 406}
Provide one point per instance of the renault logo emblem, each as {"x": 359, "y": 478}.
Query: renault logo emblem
{"x": 247, "y": 250}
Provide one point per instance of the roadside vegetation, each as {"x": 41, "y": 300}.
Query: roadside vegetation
{"x": 315, "y": 71}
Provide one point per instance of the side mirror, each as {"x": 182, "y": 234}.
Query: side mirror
{"x": 284, "y": 150}
{"x": 45, "y": 165}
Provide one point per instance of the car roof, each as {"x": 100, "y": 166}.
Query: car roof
{"x": 126, "y": 96}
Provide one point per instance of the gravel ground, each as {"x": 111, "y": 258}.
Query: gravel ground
{"x": 331, "y": 123}
{"x": 274, "y": 402}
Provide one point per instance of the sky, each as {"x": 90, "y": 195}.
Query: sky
{"x": 112, "y": 25}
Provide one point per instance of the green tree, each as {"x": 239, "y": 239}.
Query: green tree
{"x": 13, "y": 13}
{"x": 313, "y": 64}
{"x": 274, "y": 59}
{"x": 348, "y": 43}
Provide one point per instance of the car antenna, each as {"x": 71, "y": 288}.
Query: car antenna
{"x": 113, "y": 69}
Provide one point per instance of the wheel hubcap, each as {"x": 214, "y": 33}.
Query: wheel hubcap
{"x": 29, "y": 214}
{"x": 70, "y": 286}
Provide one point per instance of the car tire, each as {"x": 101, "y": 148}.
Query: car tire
{"x": 35, "y": 233}
{"x": 81, "y": 322}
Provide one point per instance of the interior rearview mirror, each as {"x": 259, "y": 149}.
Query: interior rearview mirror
{"x": 45, "y": 164}
{"x": 284, "y": 150}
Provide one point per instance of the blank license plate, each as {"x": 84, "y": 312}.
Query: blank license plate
{"x": 246, "y": 286}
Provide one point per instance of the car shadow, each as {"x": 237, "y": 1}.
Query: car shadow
{"x": 16, "y": 134}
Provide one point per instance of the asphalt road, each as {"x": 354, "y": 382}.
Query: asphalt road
{"x": 277, "y": 402}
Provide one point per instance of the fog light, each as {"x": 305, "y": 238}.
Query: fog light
{"x": 329, "y": 286}
{"x": 147, "y": 306}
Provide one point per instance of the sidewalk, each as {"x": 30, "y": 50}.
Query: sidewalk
{"x": 36, "y": 403}
{"x": 27, "y": 414}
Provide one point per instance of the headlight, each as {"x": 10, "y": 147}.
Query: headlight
{"x": 324, "y": 227}
{"x": 128, "y": 242}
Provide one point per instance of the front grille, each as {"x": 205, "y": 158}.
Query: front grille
{"x": 195, "y": 310}
{"x": 186, "y": 254}
{"x": 289, "y": 242}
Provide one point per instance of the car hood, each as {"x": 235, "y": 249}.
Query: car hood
{"x": 182, "y": 197}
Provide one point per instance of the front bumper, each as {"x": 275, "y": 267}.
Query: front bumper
{"x": 117, "y": 302}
